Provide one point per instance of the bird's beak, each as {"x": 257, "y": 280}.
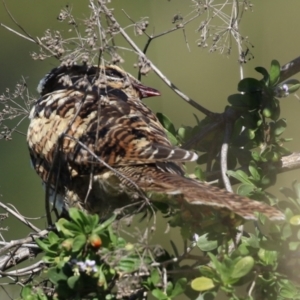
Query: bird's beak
{"x": 145, "y": 91}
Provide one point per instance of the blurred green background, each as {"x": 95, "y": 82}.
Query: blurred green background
{"x": 208, "y": 78}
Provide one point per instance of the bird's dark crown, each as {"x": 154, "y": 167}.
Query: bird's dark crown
{"x": 85, "y": 77}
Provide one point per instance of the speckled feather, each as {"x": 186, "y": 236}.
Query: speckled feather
{"x": 101, "y": 108}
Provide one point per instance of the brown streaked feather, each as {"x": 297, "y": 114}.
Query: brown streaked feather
{"x": 102, "y": 109}
{"x": 149, "y": 178}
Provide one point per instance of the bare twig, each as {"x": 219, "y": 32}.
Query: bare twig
{"x": 19, "y": 217}
{"x": 155, "y": 69}
{"x": 224, "y": 154}
{"x": 32, "y": 269}
{"x": 22, "y": 241}
{"x": 27, "y": 36}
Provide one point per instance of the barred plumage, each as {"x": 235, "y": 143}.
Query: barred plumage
{"x": 88, "y": 117}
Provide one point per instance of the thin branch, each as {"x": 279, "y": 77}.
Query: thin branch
{"x": 17, "y": 33}
{"x": 290, "y": 162}
{"x": 224, "y": 154}
{"x": 22, "y": 241}
{"x": 14, "y": 20}
{"x": 32, "y": 269}
{"x": 20, "y": 217}
{"x": 155, "y": 69}
{"x": 290, "y": 69}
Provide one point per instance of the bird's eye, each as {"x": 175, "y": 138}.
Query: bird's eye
{"x": 113, "y": 73}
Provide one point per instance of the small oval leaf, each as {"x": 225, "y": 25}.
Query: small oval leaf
{"x": 264, "y": 72}
{"x": 201, "y": 284}
{"x": 242, "y": 267}
{"x": 205, "y": 244}
{"x": 72, "y": 281}
{"x": 166, "y": 123}
{"x": 274, "y": 72}
{"x": 79, "y": 242}
{"x": 295, "y": 220}
{"x": 249, "y": 85}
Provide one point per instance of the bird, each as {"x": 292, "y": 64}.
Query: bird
{"x": 98, "y": 147}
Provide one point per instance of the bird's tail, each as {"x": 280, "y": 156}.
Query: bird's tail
{"x": 194, "y": 192}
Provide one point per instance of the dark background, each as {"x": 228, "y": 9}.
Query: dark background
{"x": 273, "y": 29}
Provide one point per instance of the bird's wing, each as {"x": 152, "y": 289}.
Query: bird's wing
{"x": 119, "y": 129}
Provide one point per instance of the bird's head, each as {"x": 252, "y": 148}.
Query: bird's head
{"x": 86, "y": 77}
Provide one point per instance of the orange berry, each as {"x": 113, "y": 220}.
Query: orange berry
{"x": 95, "y": 241}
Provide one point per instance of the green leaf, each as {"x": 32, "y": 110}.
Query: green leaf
{"x": 73, "y": 228}
{"x": 266, "y": 180}
{"x": 245, "y": 189}
{"x": 112, "y": 236}
{"x": 202, "y": 284}
{"x": 179, "y": 287}
{"x": 255, "y": 155}
{"x": 295, "y": 220}
{"x": 53, "y": 237}
{"x": 294, "y": 88}
{"x": 72, "y": 281}
{"x": 265, "y": 74}
{"x": 218, "y": 266}
{"x": 41, "y": 295}
{"x": 169, "y": 288}
{"x": 242, "y": 267}
{"x": 55, "y": 275}
{"x": 274, "y": 72}
{"x": 60, "y": 225}
{"x": 160, "y": 295}
{"x": 237, "y": 100}
{"x": 292, "y": 81}
{"x": 240, "y": 175}
{"x": 101, "y": 227}
{"x": 26, "y": 292}
{"x": 94, "y": 220}
{"x": 172, "y": 138}
{"x": 253, "y": 171}
{"x": 267, "y": 112}
{"x": 102, "y": 279}
{"x": 199, "y": 173}
{"x": 244, "y": 101}
{"x": 296, "y": 188}
{"x": 44, "y": 246}
{"x": 293, "y": 246}
{"x": 205, "y": 244}
{"x": 286, "y": 231}
{"x": 166, "y": 123}
{"x": 288, "y": 290}
{"x": 50, "y": 259}
{"x": 251, "y": 134}
{"x": 185, "y": 133}
{"x": 252, "y": 241}
{"x": 249, "y": 85}
{"x": 75, "y": 215}
{"x": 279, "y": 127}
{"x": 82, "y": 220}
{"x": 155, "y": 277}
{"x": 79, "y": 242}
{"x": 207, "y": 271}
{"x": 267, "y": 256}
